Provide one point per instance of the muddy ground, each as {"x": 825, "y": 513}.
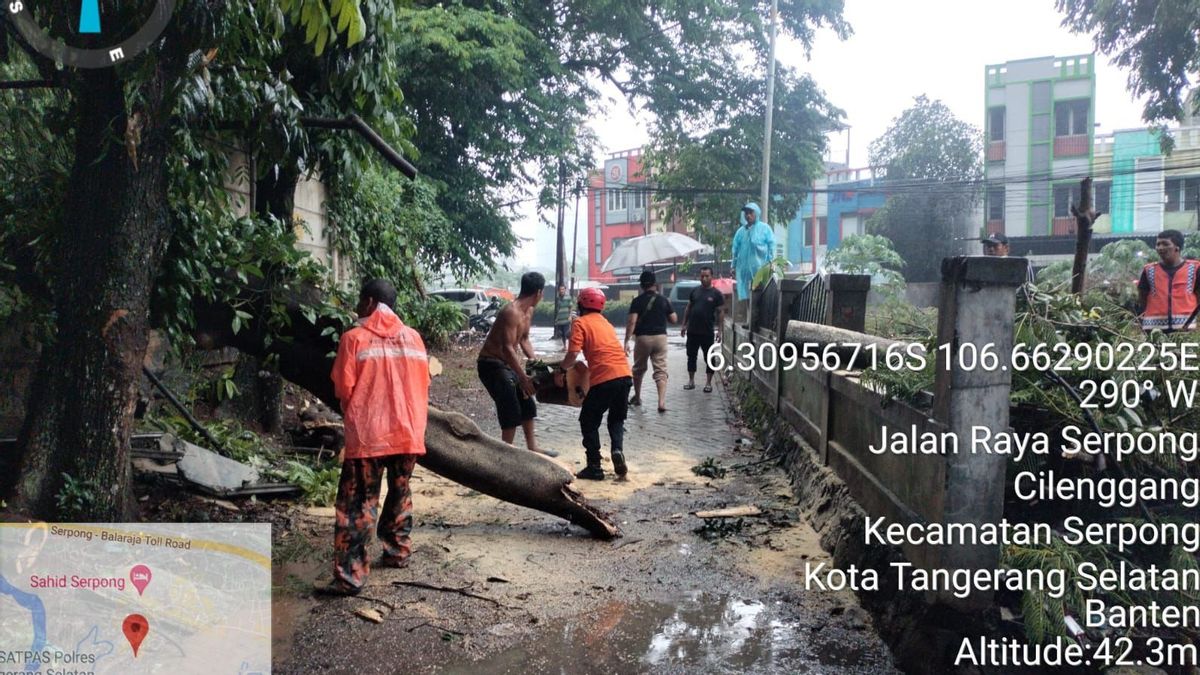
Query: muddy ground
{"x": 496, "y": 588}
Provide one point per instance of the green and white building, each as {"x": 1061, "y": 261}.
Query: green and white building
{"x": 1040, "y": 142}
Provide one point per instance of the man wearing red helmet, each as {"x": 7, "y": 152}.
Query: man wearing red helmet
{"x": 610, "y": 378}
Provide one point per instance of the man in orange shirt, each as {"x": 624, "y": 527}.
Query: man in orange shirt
{"x": 381, "y": 377}
{"x": 610, "y": 378}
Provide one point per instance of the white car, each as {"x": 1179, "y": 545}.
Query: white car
{"x": 471, "y": 301}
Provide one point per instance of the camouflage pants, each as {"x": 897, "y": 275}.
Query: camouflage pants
{"x": 357, "y": 506}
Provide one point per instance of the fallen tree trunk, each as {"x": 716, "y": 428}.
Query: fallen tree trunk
{"x": 455, "y": 447}
{"x": 847, "y": 343}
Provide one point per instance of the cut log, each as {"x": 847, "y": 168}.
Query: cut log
{"x": 457, "y": 449}
{"x": 803, "y": 332}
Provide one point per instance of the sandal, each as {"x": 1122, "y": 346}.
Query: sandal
{"x": 708, "y": 388}
{"x": 689, "y": 387}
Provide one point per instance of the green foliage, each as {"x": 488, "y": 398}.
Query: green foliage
{"x": 76, "y": 498}
{"x": 869, "y": 254}
{"x": 710, "y": 173}
{"x": 236, "y": 442}
{"x": 1111, "y": 275}
{"x": 435, "y": 319}
{"x": 392, "y": 228}
{"x": 710, "y": 468}
{"x": 932, "y": 159}
{"x": 224, "y": 388}
{"x": 322, "y": 21}
{"x": 319, "y": 484}
{"x": 1157, "y": 41}
{"x": 776, "y": 266}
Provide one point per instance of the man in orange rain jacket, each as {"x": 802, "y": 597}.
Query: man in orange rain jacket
{"x": 381, "y": 376}
{"x": 1168, "y": 290}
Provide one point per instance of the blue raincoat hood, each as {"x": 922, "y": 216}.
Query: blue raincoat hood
{"x": 753, "y": 207}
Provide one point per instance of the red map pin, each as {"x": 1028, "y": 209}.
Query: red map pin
{"x": 135, "y": 629}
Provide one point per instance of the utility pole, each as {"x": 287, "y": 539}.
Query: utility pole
{"x": 560, "y": 260}
{"x": 574, "y": 238}
{"x": 766, "y": 161}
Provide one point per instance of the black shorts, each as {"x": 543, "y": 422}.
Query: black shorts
{"x": 512, "y": 407}
{"x": 562, "y": 331}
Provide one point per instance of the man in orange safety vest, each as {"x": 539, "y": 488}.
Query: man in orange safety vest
{"x": 1168, "y": 289}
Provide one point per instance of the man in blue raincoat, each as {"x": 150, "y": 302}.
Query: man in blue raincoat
{"x": 753, "y": 247}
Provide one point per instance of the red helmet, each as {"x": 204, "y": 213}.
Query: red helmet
{"x": 591, "y": 298}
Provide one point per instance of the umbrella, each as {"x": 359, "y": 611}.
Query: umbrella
{"x": 649, "y": 248}
{"x": 723, "y": 285}
{"x": 502, "y": 293}
{"x": 581, "y": 284}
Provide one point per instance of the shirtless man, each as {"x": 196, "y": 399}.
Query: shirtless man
{"x": 500, "y": 368}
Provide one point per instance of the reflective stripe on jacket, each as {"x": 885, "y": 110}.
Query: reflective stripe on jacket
{"x": 381, "y": 376}
{"x": 1171, "y": 299}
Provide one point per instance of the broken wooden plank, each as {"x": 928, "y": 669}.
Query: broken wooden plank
{"x": 731, "y": 512}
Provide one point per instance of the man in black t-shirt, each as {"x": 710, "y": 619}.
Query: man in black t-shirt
{"x": 705, "y": 310}
{"x": 648, "y": 317}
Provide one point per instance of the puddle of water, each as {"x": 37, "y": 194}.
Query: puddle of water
{"x": 703, "y": 633}
{"x": 291, "y": 601}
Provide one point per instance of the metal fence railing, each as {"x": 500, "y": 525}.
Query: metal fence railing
{"x": 811, "y": 302}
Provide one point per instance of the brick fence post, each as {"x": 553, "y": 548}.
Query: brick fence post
{"x": 847, "y": 306}
{"x": 977, "y": 305}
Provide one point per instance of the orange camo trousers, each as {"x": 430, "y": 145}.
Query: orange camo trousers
{"x": 357, "y": 507}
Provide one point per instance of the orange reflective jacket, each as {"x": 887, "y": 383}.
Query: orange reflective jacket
{"x": 381, "y": 376}
{"x": 1171, "y": 299}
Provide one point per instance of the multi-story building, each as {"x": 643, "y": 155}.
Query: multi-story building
{"x": 1039, "y": 137}
{"x": 621, "y": 205}
{"x": 843, "y": 199}
{"x": 1040, "y": 142}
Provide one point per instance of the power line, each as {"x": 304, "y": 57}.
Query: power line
{"x": 890, "y": 187}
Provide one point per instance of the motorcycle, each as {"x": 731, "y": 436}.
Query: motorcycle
{"x": 483, "y": 321}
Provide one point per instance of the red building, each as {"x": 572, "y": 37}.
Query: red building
{"x": 620, "y": 206}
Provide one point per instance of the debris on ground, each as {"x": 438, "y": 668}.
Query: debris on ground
{"x": 731, "y": 512}
{"x": 174, "y": 460}
{"x": 710, "y": 468}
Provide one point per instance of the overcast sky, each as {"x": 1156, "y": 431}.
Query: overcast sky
{"x": 899, "y": 50}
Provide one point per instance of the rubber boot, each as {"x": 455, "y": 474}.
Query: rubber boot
{"x": 593, "y": 470}
{"x": 618, "y": 460}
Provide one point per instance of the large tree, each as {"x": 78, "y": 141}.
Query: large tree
{"x": 494, "y": 94}
{"x": 933, "y": 168}
{"x": 707, "y": 176}
{"x": 1157, "y": 40}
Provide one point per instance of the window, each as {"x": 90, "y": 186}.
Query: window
{"x": 1064, "y": 196}
{"x": 616, "y": 199}
{"x": 1183, "y": 194}
{"x": 822, "y": 228}
{"x": 599, "y": 241}
{"x": 617, "y": 242}
{"x": 995, "y": 204}
{"x": 996, "y": 123}
{"x": 1071, "y": 118}
{"x": 1101, "y": 193}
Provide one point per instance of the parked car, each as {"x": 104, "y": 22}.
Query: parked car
{"x": 471, "y": 301}
{"x": 679, "y": 295}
